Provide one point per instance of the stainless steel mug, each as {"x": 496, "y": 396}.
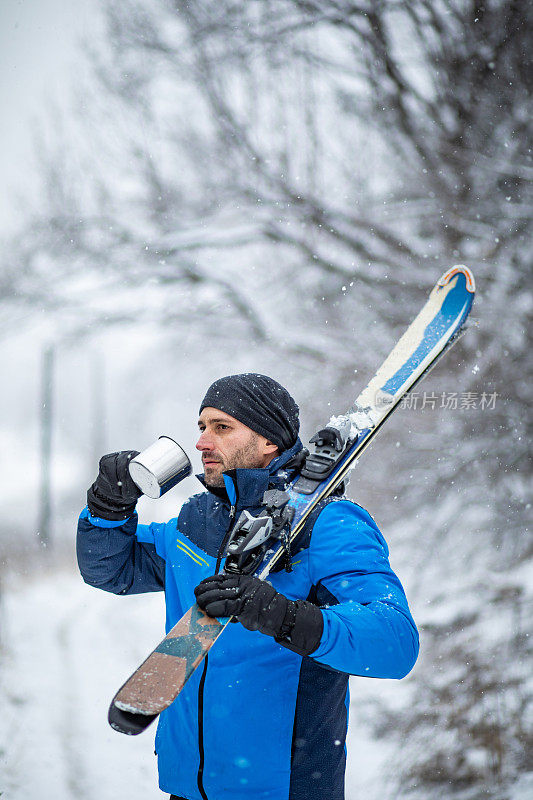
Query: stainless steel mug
{"x": 160, "y": 467}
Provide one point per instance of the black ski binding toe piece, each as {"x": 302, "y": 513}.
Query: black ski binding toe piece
{"x": 330, "y": 446}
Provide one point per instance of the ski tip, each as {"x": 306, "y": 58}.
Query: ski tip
{"x": 128, "y": 722}
{"x": 459, "y": 269}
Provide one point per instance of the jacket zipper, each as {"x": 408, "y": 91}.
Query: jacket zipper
{"x": 225, "y": 539}
{"x": 200, "y": 776}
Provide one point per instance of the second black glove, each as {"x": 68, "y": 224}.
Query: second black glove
{"x": 296, "y": 624}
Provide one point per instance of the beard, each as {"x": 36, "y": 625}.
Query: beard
{"x": 246, "y": 457}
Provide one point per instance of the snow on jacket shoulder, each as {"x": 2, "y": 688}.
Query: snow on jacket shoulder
{"x": 273, "y": 723}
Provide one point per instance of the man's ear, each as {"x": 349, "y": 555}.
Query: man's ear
{"x": 271, "y": 448}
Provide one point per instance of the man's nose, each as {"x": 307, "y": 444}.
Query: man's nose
{"x": 204, "y": 442}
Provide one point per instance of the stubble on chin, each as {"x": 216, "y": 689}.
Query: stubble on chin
{"x": 214, "y": 478}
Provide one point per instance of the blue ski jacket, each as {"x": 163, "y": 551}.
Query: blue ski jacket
{"x": 262, "y": 721}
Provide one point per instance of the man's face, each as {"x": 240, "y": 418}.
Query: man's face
{"x": 225, "y": 443}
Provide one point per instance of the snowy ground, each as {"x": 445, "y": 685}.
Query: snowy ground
{"x": 65, "y": 650}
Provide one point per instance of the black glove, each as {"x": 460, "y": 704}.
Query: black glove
{"x": 296, "y": 624}
{"x": 113, "y": 495}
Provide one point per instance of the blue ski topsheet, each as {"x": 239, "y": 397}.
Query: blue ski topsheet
{"x": 452, "y": 314}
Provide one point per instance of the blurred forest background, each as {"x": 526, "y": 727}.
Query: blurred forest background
{"x": 275, "y": 186}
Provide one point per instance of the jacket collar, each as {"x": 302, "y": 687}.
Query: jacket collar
{"x": 245, "y": 487}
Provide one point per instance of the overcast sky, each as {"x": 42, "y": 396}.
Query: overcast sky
{"x": 39, "y": 51}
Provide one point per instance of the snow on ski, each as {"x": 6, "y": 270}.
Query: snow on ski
{"x": 160, "y": 678}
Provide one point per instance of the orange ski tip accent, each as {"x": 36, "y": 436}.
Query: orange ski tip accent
{"x": 448, "y": 275}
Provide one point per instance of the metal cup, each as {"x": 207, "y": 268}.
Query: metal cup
{"x": 160, "y": 467}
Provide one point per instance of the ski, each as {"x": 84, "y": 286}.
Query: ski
{"x": 157, "y": 682}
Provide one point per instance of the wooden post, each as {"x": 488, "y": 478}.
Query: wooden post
{"x": 46, "y": 417}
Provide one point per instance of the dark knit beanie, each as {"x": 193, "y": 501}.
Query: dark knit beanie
{"x": 259, "y": 402}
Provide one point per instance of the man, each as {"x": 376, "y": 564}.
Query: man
{"x": 266, "y": 717}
